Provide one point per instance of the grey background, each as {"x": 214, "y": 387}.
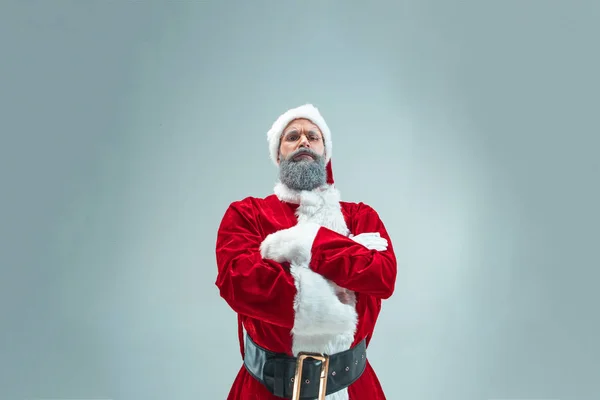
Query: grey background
{"x": 128, "y": 127}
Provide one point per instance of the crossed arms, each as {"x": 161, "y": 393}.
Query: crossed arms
{"x": 254, "y": 282}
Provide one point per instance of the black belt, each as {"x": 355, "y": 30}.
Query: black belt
{"x": 277, "y": 371}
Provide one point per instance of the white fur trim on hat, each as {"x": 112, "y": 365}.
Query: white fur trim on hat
{"x": 307, "y": 111}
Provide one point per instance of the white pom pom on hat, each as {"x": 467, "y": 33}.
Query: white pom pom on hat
{"x": 306, "y": 111}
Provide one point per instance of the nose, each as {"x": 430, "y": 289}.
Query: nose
{"x": 304, "y": 142}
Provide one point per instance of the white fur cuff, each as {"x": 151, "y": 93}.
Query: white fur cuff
{"x": 293, "y": 245}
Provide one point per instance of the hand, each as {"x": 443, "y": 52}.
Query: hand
{"x": 346, "y": 296}
{"x": 371, "y": 240}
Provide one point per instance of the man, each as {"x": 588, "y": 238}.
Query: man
{"x": 305, "y": 272}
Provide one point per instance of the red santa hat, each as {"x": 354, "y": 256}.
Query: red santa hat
{"x": 311, "y": 113}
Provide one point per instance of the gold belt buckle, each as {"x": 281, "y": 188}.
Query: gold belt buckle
{"x": 322, "y": 379}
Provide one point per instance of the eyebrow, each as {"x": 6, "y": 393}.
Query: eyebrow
{"x": 295, "y": 130}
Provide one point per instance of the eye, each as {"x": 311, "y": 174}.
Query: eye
{"x": 291, "y": 135}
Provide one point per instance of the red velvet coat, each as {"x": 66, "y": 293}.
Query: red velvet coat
{"x": 269, "y": 248}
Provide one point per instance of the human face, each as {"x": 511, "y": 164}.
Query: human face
{"x": 301, "y": 133}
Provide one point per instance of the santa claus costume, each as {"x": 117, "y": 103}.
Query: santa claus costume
{"x": 282, "y": 262}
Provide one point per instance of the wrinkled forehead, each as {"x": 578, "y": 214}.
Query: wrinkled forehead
{"x": 301, "y": 124}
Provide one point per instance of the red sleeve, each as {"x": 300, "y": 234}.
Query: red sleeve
{"x": 251, "y": 286}
{"x": 350, "y": 264}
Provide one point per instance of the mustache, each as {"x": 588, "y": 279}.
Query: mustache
{"x": 303, "y": 150}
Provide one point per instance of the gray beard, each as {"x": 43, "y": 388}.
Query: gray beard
{"x": 303, "y": 174}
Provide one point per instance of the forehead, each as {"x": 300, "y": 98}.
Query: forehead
{"x": 301, "y": 124}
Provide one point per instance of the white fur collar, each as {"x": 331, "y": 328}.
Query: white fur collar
{"x": 321, "y": 205}
{"x": 308, "y": 197}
